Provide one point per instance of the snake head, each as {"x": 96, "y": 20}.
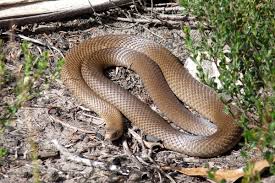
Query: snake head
{"x": 113, "y": 134}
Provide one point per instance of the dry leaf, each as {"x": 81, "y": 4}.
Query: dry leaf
{"x": 228, "y": 175}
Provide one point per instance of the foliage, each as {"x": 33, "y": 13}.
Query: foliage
{"x": 28, "y": 82}
{"x": 27, "y": 85}
{"x": 238, "y": 36}
{"x": 3, "y": 152}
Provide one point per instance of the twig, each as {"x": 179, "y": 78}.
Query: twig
{"x": 152, "y": 6}
{"x": 175, "y": 17}
{"x": 166, "y": 4}
{"x": 153, "y": 33}
{"x": 130, "y": 154}
{"x": 69, "y": 156}
{"x": 94, "y": 117}
{"x": 71, "y": 127}
{"x": 122, "y": 28}
{"x": 136, "y": 136}
{"x": 4, "y": 175}
{"x": 150, "y": 21}
{"x": 135, "y": 6}
{"x": 164, "y": 9}
{"x": 160, "y": 177}
{"x": 55, "y": 26}
{"x": 161, "y": 170}
{"x": 34, "y": 41}
{"x": 156, "y": 166}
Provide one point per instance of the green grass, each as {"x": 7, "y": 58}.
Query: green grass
{"x": 246, "y": 28}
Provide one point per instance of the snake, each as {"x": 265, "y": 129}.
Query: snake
{"x": 204, "y": 131}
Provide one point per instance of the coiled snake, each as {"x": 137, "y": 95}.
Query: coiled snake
{"x": 166, "y": 81}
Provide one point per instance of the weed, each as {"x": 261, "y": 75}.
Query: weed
{"x": 28, "y": 84}
{"x": 239, "y": 39}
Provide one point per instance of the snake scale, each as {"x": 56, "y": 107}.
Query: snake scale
{"x": 167, "y": 82}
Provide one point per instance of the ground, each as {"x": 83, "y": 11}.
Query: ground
{"x": 69, "y": 138}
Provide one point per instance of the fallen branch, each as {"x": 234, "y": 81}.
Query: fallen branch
{"x": 171, "y": 23}
{"x": 53, "y": 10}
{"x": 14, "y": 2}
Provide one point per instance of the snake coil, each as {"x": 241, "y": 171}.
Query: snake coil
{"x": 166, "y": 81}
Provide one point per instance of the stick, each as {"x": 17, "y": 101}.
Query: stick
{"x": 71, "y": 127}
{"x": 69, "y": 156}
{"x": 164, "y": 9}
{"x": 53, "y": 10}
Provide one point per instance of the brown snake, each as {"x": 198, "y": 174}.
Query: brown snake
{"x": 166, "y": 81}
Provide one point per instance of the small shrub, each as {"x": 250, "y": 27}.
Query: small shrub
{"x": 28, "y": 83}
{"x": 238, "y": 36}
{"x": 27, "y": 86}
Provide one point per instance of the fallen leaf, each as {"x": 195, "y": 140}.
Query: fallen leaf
{"x": 228, "y": 175}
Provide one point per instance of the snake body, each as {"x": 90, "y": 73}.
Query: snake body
{"x": 166, "y": 81}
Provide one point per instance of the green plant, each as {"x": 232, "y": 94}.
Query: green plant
{"x": 238, "y": 36}
{"x": 3, "y": 152}
{"x": 28, "y": 82}
{"x": 35, "y": 70}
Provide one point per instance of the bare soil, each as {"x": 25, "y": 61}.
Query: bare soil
{"x": 70, "y": 138}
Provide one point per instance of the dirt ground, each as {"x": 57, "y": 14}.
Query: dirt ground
{"x": 70, "y": 137}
